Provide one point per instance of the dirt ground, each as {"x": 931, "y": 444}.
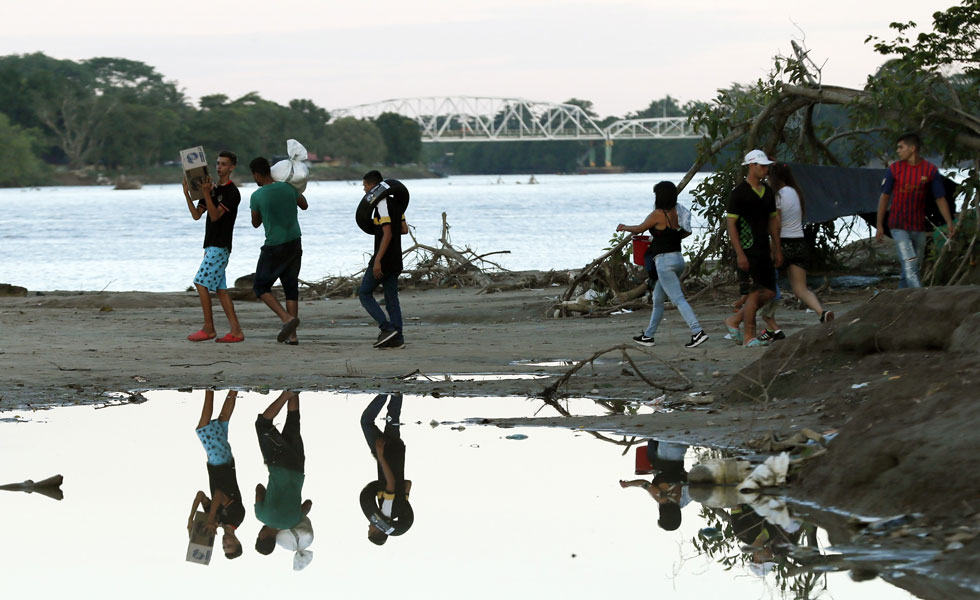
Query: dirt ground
{"x": 895, "y": 373}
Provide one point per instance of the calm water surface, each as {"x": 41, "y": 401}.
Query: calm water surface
{"x": 540, "y": 517}
{"x": 90, "y": 238}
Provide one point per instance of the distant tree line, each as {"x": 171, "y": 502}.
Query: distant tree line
{"x": 120, "y": 113}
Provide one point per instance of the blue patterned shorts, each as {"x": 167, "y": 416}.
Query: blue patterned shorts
{"x": 212, "y": 272}
{"x": 214, "y": 438}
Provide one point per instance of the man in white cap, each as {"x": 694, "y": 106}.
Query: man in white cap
{"x": 752, "y": 220}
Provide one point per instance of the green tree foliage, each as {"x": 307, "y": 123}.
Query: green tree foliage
{"x": 402, "y": 138}
{"x": 122, "y": 113}
{"x": 355, "y": 141}
{"x": 21, "y": 166}
{"x": 664, "y": 107}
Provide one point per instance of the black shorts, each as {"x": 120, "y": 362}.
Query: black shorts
{"x": 281, "y": 262}
{"x": 796, "y": 251}
{"x": 283, "y": 449}
{"x": 762, "y": 273}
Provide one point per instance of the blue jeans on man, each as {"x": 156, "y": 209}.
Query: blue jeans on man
{"x": 391, "y": 321}
{"x": 911, "y": 247}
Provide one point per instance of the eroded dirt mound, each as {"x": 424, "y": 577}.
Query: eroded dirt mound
{"x": 899, "y": 377}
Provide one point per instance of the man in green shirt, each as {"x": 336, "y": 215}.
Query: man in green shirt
{"x": 280, "y": 505}
{"x": 274, "y": 206}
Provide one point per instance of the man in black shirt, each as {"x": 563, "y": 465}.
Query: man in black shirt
{"x": 752, "y": 220}
{"x": 221, "y": 205}
{"x": 382, "y": 213}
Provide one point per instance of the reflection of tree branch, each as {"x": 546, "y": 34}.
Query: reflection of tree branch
{"x": 565, "y": 413}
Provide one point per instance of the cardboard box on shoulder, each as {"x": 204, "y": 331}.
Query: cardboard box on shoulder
{"x": 195, "y": 166}
{"x": 201, "y": 543}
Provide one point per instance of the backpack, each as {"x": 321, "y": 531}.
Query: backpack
{"x": 934, "y": 218}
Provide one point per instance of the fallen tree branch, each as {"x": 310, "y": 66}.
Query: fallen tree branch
{"x": 550, "y": 391}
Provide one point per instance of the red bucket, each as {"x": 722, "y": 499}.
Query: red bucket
{"x": 640, "y": 245}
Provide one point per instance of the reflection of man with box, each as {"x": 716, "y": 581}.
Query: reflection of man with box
{"x": 273, "y": 206}
{"x": 280, "y": 505}
{"x": 224, "y": 507}
{"x": 220, "y": 202}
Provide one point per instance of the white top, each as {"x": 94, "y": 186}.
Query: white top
{"x": 788, "y": 203}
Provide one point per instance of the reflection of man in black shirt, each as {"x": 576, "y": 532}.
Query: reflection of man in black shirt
{"x": 384, "y": 501}
{"x": 224, "y": 508}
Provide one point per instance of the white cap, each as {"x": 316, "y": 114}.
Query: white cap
{"x": 757, "y": 157}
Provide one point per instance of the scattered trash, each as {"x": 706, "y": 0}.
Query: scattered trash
{"x": 858, "y": 386}
{"x": 623, "y": 311}
{"x": 458, "y": 428}
{"x": 433, "y": 423}
{"x": 140, "y": 379}
{"x": 106, "y": 309}
{"x": 717, "y": 373}
{"x": 517, "y": 436}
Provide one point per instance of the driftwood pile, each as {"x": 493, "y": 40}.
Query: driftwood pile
{"x": 439, "y": 266}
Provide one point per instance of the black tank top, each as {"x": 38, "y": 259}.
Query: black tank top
{"x": 664, "y": 240}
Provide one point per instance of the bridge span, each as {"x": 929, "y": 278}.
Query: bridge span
{"x": 490, "y": 119}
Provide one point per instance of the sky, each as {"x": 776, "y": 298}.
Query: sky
{"x": 620, "y": 54}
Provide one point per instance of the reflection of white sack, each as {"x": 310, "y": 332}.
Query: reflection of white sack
{"x": 293, "y": 170}
{"x": 298, "y": 539}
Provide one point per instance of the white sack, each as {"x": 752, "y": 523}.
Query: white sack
{"x": 293, "y": 170}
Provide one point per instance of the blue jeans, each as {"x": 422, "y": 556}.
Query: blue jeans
{"x": 366, "y": 295}
{"x": 669, "y": 268}
{"x": 911, "y": 246}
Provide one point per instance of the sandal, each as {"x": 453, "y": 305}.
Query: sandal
{"x": 736, "y": 333}
{"x": 826, "y": 316}
{"x": 200, "y": 336}
{"x": 230, "y": 339}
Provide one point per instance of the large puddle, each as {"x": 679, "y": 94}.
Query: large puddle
{"x": 512, "y": 513}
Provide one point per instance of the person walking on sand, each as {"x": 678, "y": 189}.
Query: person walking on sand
{"x": 273, "y": 207}
{"x": 791, "y": 205}
{"x": 220, "y": 203}
{"x": 280, "y": 505}
{"x": 224, "y": 508}
{"x": 752, "y": 221}
{"x": 384, "y": 202}
{"x": 664, "y": 263}
{"x": 905, "y": 185}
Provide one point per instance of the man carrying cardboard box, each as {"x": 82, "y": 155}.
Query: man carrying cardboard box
{"x": 221, "y": 205}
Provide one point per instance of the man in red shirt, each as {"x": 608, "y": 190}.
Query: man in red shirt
{"x": 906, "y": 184}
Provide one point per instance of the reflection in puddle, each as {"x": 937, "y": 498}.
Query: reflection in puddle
{"x": 548, "y": 512}
{"x": 474, "y": 376}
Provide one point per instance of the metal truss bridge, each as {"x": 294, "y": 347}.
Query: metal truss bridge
{"x": 485, "y": 119}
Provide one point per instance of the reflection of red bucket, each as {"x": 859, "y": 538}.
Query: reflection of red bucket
{"x": 643, "y": 466}
{"x": 640, "y": 245}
